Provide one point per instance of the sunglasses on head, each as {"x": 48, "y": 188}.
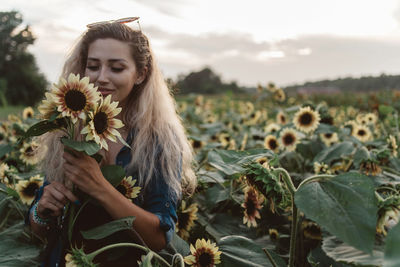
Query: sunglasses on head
{"x": 123, "y": 20}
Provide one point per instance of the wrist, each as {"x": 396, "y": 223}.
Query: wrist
{"x": 36, "y": 217}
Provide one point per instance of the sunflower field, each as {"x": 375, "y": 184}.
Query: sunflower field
{"x": 282, "y": 181}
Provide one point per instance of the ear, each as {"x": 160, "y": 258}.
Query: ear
{"x": 142, "y": 76}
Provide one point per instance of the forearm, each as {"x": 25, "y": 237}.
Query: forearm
{"x": 146, "y": 223}
{"x": 36, "y": 228}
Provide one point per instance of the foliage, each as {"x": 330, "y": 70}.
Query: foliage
{"x": 20, "y": 79}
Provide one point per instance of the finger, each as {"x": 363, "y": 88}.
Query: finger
{"x": 46, "y": 208}
{"x": 68, "y": 157}
{"x": 59, "y": 197}
{"x": 65, "y": 192}
{"x": 70, "y": 168}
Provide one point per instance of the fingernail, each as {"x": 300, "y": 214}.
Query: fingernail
{"x": 77, "y": 202}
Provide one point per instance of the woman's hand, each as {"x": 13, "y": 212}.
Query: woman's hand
{"x": 55, "y": 197}
{"x": 84, "y": 172}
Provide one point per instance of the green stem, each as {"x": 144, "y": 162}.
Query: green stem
{"x": 288, "y": 181}
{"x": 293, "y": 234}
{"x": 314, "y": 178}
{"x": 95, "y": 253}
{"x": 270, "y": 258}
{"x": 380, "y": 199}
{"x": 72, "y": 223}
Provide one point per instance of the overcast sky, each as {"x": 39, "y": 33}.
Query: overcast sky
{"x": 252, "y": 41}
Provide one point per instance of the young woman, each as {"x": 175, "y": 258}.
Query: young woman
{"x": 120, "y": 62}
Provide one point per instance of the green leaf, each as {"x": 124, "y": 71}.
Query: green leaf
{"x": 89, "y": 147}
{"x": 385, "y": 110}
{"x": 4, "y": 149}
{"x": 344, "y": 205}
{"x": 342, "y": 252}
{"x": 113, "y": 173}
{"x": 216, "y": 194}
{"x": 335, "y": 152}
{"x": 392, "y": 248}
{"x": 41, "y": 128}
{"x": 230, "y": 162}
{"x": 107, "y": 229}
{"x": 12, "y": 192}
{"x": 317, "y": 257}
{"x": 241, "y": 251}
{"x": 326, "y": 128}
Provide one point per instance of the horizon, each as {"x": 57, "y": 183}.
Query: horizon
{"x": 256, "y": 43}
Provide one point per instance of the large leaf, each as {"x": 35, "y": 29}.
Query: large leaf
{"x": 344, "y": 205}
{"x": 230, "y": 162}
{"x": 41, "y": 128}
{"x": 335, "y": 152}
{"x": 241, "y": 251}
{"x": 4, "y": 149}
{"x": 342, "y": 252}
{"x": 392, "y": 248}
{"x": 317, "y": 257}
{"x": 89, "y": 147}
{"x": 107, "y": 229}
{"x": 113, "y": 173}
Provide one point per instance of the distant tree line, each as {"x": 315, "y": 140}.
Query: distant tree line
{"x": 204, "y": 81}
{"x": 349, "y": 84}
{"x": 21, "y": 82}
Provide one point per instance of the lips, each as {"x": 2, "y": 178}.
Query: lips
{"x": 105, "y": 91}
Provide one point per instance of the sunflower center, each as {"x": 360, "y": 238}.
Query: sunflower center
{"x": 183, "y": 220}
{"x": 283, "y": 119}
{"x": 205, "y": 259}
{"x": 100, "y": 122}
{"x": 250, "y": 206}
{"x": 196, "y": 144}
{"x": 30, "y": 189}
{"x": 29, "y": 151}
{"x": 75, "y": 100}
{"x": 288, "y": 139}
{"x": 306, "y": 119}
{"x": 122, "y": 189}
{"x": 272, "y": 144}
{"x": 328, "y": 135}
{"x": 362, "y": 132}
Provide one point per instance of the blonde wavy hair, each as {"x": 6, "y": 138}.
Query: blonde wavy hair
{"x": 159, "y": 136}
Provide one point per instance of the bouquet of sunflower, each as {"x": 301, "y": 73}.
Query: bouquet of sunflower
{"x": 74, "y": 102}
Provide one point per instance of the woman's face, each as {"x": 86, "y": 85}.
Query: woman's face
{"x": 110, "y": 66}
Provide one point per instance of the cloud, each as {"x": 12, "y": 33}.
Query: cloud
{"x": 170, "y": 8}
{"x": 238, "y": 57}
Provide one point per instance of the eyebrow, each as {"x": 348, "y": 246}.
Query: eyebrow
{"x": 111, "y": 60}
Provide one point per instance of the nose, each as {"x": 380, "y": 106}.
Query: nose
{"x": 103, "y": 76}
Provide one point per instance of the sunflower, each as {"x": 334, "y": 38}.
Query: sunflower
{"x": 306, "y": 119}
{"x": 321, "y": 168}
{"x": 205, "y": 254}
{"x": 75, "y": 97}
{"x": 352, "y": 125}
{"x": 271, "y": 87}
{"x": 289, "y": 139}
{"x": 371, "y": 118}
{"x": 199, "y": 101}
{"x": 279, "y": 95}
{"x": 13, "y": 118}
{"x": 186, "y": 218}
{"x": 197, "y": 144}
{"x": 393, "y": 144}
{"x": 27, "y": 113}
{"x": 281, "y": 118}
{"x": 370, "y": 168}
{"x": 27, "y": 188}
{"x": 272, "y": 128}
{"x": 102, "y": 124}
{"x": 224, "y": 139}
{"x": 329, "y": 138}
{"x": 271, "y": 143}
{"x": 128, "y": 189}
{"x": 390, "y": 216}
{"x": 362, "y": 133}
{"x": 29, "y": 153}
{"x": 311, "y": 230}
{"x": 4, "y": 168}
{"x": 252, "y": 204}
{"x": 48, "y": 106}
{"x": 253, "y": 118}
{"x": 273, "y": 234}
{"x": 69, "y": 261}
{"x": 263, "y": 162}
{"x": 259, "y": 88}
